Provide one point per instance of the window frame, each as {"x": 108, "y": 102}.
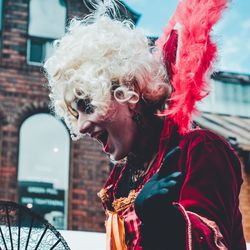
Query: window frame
{"x": 47, "y": 39}
{"x": 66, "y": 191}
{"x": 44, "y": 41}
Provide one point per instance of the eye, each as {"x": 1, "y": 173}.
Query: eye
{"x": 85, "y": 106}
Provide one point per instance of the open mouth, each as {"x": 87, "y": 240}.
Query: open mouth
{"x": 102, "y": 137}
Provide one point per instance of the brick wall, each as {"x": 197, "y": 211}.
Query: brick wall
{"x": 89, "y": 170}
{"x": 22, "y": 94}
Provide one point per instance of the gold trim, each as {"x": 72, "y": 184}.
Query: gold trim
{"x": 189, "y": 225}
{"x": 214, "y": 227}
{"x": 102, "y": 194}
{"x": 124, "y": 202}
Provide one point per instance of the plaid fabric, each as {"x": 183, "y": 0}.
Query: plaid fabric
{"x": 132, "y": 224}
{"x": 131, "y": 221}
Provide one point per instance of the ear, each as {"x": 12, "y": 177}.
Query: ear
{"x": 136, "y": 107}
{"x": 134, "y": 102}
{"x": 133, "y": 106}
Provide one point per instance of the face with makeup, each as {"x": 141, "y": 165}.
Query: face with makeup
{"x": 116, "y": 130}
{"x": 86, "y": 63}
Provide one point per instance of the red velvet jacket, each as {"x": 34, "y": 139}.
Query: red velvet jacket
{"x": 208, "y": 198}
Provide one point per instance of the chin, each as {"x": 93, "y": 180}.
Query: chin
{"x": 117, "y": 156}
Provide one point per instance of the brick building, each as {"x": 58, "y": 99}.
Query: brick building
{"x": 27, "y": 29}
{"x": 227, "y": 111}
{"x": 24, "y": 43}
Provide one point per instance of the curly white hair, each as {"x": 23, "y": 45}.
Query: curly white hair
{"x": 101, "y": 58}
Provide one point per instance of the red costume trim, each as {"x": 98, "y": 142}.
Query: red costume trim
{"x": 210, "y": 191}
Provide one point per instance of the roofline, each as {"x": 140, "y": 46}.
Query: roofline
{"x": 231, "y": 77}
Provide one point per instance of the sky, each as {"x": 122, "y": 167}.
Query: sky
{"x": 232, "y": 33}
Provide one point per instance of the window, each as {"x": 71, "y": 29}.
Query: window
{"x": 230, "y": 98}
{"x": 39, "y": 49}
{"x": 44, "y": 28}
{"x": 43, "y": 168}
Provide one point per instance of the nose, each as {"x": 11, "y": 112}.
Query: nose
{"x": 84, "y": 126}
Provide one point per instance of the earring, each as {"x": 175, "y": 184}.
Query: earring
{"x": 137, "y": 118}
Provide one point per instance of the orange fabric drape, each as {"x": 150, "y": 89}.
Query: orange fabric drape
{"x": 115, "y": 232}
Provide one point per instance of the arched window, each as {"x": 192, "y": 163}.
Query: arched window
{"x": 43, "y": 168}
{"x": 47, "y": 19}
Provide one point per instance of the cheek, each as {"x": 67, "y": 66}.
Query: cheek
{"x": 121, "y": 145}
{"x": 100, "y": 119}
{"x": 124, "y": 135}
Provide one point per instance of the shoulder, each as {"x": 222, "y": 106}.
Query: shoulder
{"x": 203, "y": 137}
{"x": 205, "y": 150}
{"x": 207, "y": 145}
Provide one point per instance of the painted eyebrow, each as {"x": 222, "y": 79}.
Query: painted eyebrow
{"x": 84, "y": 105}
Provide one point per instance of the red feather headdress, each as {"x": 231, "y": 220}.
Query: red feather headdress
{"x": 189, "y": 60}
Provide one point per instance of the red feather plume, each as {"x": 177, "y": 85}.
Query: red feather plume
{"x": 195, "y": 55}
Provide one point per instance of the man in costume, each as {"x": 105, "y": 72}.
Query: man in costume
{"x": 172, "y": 187}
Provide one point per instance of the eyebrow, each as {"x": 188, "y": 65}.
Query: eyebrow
{"x": 84, "y": 104}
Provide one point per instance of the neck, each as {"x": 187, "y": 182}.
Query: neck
{"x": 147, "y": 140}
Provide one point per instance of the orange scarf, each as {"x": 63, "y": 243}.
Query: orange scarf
{"x": 115, "y": 232}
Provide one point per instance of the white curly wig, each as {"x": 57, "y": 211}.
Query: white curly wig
{"x": 101, "y": 58}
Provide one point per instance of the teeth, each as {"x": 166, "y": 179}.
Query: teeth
{"x": 96, "y": 134}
